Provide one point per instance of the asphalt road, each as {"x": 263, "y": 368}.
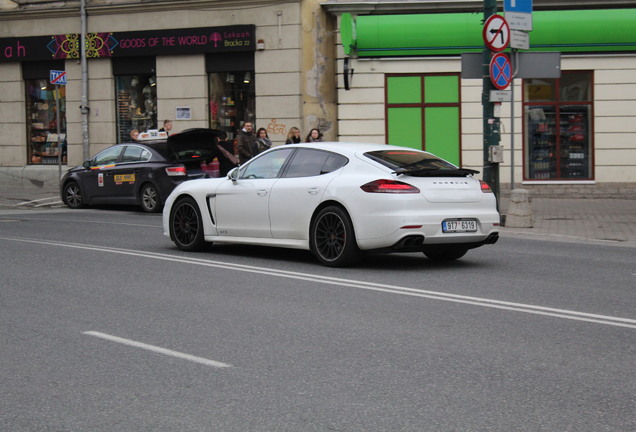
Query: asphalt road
{"x": 106, "y": 326}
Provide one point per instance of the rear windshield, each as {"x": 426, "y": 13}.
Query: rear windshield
{"x": 416, "y": 163}
{"x": 403, "y": 158}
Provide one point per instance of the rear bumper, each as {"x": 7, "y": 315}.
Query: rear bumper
{"x": 411, "y": 234}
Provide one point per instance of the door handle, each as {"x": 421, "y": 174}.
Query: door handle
{"x": 313, "y": 191}
{"x": 261, "y": 193}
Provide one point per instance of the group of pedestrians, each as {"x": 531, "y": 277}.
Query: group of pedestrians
{"x": 250, "y": 144}
{"x": 293, "y": 136}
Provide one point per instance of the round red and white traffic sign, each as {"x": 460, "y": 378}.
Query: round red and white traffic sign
{"x": 496, "y": 33}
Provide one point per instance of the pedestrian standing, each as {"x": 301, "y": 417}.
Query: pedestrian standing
{"x": 293, "y": 136}
{"x": 227, "y": 160}
{"x": 262, "y": 140}
{"x": 246, "y": 143}
{"x": 314, "y": 135}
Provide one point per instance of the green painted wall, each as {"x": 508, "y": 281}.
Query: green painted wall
{"x": 405, "y": 127}
{"x": 428, "y": 122}
{"x": 442, "y": 133}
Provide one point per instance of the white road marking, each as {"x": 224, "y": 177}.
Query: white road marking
{"x": 393, "y": 289}
{"x": 157, "y": 349}
{"x": 50, "y": 201}
{"x": 88, "y": 222}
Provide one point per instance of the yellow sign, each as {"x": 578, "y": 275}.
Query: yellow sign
{"x": 122, "y": 178}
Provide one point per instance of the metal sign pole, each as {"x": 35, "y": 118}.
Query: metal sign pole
{"x": 84, "y": 109}
{"x": 490, "y": 123}
{"x": 515, "y": 60}
{"x": 512, "y": 135}
{"x": 59, "y": 141}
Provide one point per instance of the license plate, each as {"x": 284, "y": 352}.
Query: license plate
{"x": 459, "y": 225}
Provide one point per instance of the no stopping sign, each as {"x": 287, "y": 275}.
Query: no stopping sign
{"x": 500, "y": 71}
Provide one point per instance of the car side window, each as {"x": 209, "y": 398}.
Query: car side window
{"x": 266, "y": 166}
{"x": 135, "y": 154}
{"x": 308, "y": 163}
{"x": 107, "y": 157}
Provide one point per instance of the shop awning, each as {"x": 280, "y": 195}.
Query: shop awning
{"x": 600, "y": 30}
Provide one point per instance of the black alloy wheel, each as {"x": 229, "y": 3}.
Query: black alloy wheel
{"x": 332, "y": 239}
{"x": 186, "y": 225}
{"x": 73, "y": 195}
{"x": 149, "y": 198}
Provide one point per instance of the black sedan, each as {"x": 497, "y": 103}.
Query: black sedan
{"x": 142, "y": 173}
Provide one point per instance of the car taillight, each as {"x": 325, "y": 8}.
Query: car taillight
{"x": 176, "y": 171}
{"x": 389, "y": 186}
{"x": 484, "y": 187}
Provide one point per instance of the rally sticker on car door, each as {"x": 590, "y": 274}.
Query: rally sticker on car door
{"x": 124, "y": 178}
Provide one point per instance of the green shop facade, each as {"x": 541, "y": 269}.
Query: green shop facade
{"x": 401, "y": 83}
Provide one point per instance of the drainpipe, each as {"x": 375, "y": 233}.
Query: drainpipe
{"x": 84, "y": 109}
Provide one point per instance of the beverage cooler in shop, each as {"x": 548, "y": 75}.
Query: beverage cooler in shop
{"x": 558, "y": 143}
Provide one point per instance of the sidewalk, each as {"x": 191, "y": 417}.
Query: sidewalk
{"x": 29, "y": 198}
{"x": 601, "y": 221}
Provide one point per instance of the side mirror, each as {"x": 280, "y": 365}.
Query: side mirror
{"x": 86, "y": 164}
{"x": 233, "y": 174}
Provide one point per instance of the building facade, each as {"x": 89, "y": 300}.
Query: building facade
{"x": 213, "y": 63}
{"x": 386, "y": 71}
{"x": 574, "y": 135}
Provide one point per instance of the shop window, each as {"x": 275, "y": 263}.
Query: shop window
{"x": 232, "y": 100}
{"x": 136, "y": 105}
{"x": 423, "y": 112}
{"x": 231, "y": 87}
{"x": 44, "y": 142}
{"x": 136, "y": 95}
{"x": 558, "y": 127}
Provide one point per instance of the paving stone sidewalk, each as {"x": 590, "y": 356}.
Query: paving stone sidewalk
{"x": 611, "y": 221}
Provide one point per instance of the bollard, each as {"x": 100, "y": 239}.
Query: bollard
{"x": 519, "y": 210}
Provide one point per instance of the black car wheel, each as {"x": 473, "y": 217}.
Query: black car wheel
{"x": 445, "y": 254}
{"x": 72, "y": 195}
{"x": 332, "y": 239}
{"x": 186, "y": 225}
{"x": 149, "y": 198}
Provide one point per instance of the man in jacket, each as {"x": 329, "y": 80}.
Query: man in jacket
{"x": 246, "y": 143}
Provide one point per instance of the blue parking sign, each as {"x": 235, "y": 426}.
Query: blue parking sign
{"x": 520, "y": 6}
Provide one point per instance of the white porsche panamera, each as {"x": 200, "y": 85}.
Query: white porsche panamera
{"x": 338, "y": 200}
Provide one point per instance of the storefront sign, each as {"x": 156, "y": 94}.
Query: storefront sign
{"x": 128, "y": 44}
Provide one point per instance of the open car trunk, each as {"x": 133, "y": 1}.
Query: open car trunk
{"x": 195, "y": 149}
